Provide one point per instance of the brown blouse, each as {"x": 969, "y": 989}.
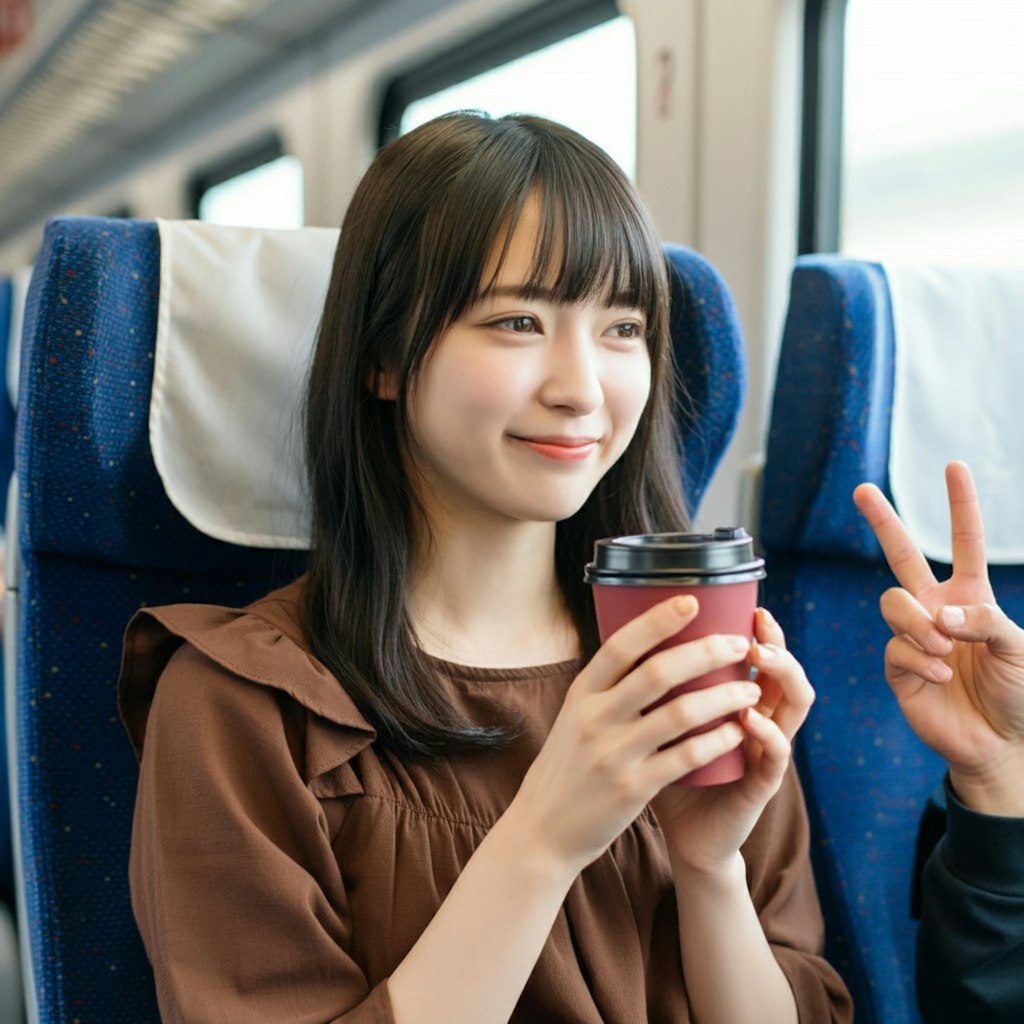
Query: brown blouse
{"x": 283, "y": 865}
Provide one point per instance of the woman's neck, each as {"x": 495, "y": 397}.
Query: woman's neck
{"x": 487, "y": 596}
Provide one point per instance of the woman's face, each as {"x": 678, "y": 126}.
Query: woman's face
{"x": 524, "y": 404}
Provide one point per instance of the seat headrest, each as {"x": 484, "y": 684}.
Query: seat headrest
{"x": 20, "y": 280}
{"x": 829, "y": 427}
{"x": 231, "y": 364}
{"x": 885, "y": 375}
{"x": 88, "y": 485}
{"x": 959, "y": 377}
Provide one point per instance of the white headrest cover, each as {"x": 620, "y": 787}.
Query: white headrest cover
{"x": 237, "y": 321}
{"x": 959, "y": 382}
{"x": 19, "y": 293}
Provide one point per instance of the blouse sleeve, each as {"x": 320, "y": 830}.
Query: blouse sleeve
{"x": 783, "y": 891}
{"x": 235, "y": 886}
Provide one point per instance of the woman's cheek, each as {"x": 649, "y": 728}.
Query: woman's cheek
{"x": 630, "y": 389}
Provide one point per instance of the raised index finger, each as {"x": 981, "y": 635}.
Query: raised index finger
{"x": 903, "y": 555}
{"x": 966, "y": 523}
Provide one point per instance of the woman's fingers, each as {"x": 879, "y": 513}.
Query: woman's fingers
{"x": 655, "y": 677}
{"x": 616, "y": 657}
{"x": 694, "y": 752}
{"x": 767, "y": 630}
{"x": 773, "y": 747}
{"x": 902, "y": 554}
{"x": 693, "y": 710}
{"x": 788, "y": 693}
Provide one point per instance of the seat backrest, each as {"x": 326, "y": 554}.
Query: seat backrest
{"x": 708, "y": 348}
{"x": 865, "y": 774}
{"x": 99, "y": 538}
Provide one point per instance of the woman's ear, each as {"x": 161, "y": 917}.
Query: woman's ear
{"x": 382, "y": 384}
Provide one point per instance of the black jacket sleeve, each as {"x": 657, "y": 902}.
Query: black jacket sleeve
{"x": 970, "y": 948}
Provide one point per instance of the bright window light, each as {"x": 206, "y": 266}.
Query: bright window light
{"x": 933, "y": 150}
{"x": 268, "y": 196}
{"x": 587, "y": 82}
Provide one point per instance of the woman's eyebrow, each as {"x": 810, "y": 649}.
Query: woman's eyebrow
{"x": 527, "y": 293}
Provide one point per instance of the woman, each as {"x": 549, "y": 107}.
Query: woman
{"x": 412, "y": 786}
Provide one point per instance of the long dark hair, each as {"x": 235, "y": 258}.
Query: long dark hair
{"x": 414, "y": 243}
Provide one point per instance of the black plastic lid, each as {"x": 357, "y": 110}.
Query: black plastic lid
{"x": 724, "y": 556}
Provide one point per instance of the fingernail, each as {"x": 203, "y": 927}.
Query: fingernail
{"x": 941, "y": 672}
{"x": 767, "y": 651}
{"x": 938, "y": 643}
{"x": 953, "y": 616}
{"x": 684, "y": 605}
{"x": 740, "y": 644}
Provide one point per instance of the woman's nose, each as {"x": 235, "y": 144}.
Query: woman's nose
{"x": 573, "y": 380}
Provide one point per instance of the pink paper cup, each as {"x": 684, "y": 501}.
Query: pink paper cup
{"x": 632, "y": 574}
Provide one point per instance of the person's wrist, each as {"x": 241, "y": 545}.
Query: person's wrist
{"x": 994, "y": 789}
{"x": 530, "y": 849}
{"x": 711, "y": 875}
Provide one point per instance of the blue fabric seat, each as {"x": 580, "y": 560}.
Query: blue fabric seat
{"x": 866, "y": 776}
{"x": 99, "y": 538}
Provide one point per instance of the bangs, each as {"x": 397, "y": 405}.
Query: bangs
{"x": 594, "y": 238}
{"x": 593, "y": 242}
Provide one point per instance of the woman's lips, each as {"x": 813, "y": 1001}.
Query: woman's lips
{"x": 561, "y": 449}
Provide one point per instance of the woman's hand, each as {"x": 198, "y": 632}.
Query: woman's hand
{"x": 602, "y": 761}
{"x": 956, "y": 662}
{"x": 705, "y": 827}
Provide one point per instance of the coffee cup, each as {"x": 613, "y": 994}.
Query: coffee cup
{"x": 634, "y": 573}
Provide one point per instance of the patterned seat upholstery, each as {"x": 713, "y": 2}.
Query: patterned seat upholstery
{"x": 866, "y": 776}
{"x": 709, "y": 354}
{"x": 99, "y": 538}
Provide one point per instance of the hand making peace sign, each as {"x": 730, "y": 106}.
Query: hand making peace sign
{"x": 956, "y": 662}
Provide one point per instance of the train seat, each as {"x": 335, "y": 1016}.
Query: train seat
{"x": 866, "y": 776}
{"x": 99, "y": 537}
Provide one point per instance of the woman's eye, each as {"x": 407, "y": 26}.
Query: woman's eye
{"x": 630, "y": 329}
{"x": 519, "y": 324}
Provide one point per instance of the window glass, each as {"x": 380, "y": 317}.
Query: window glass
{"x": 268, "y": 196}
{"x": 933, "y": 146}
{"x": 587, "y": 81}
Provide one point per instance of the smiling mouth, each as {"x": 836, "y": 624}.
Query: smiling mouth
{"x": 561, "y": 449}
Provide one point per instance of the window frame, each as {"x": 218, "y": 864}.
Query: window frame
{"x": 263, "y": 150}
{"x": 524, "y": 33}
{"x": 821, "y": 141}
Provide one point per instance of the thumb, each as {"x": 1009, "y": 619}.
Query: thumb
{"x": 982, "y": 623}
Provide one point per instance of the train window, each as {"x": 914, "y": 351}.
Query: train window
{"x": 582, "y": 74}
{"x": 933, "y": 130}
{"x": 259, "y": 187}
{"x": 121, "y": 212}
